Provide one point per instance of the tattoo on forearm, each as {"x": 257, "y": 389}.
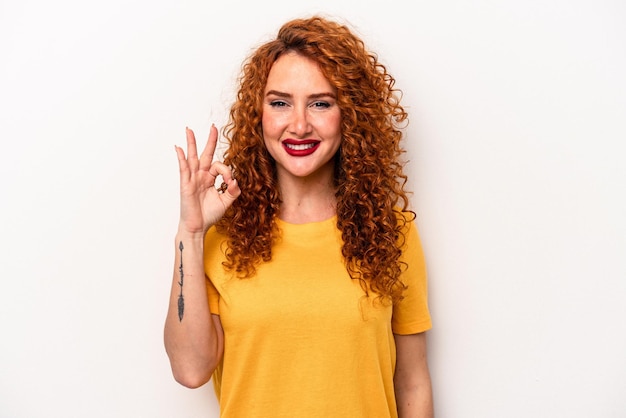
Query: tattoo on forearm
{"x": 181, "y": 300}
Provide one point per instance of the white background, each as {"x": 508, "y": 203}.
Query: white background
{"x": 515, "y": 142}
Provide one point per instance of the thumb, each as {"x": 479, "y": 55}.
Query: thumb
{"x": 231, "y": 193}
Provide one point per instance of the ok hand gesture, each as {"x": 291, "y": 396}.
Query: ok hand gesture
{"x": 201, "y": 203}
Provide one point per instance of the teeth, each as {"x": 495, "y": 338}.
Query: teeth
{"x": 300, "y": 147}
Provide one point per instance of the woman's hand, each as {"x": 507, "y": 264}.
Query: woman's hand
{"x": 201, "y": 203}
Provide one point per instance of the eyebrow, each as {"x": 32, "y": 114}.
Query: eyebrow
{"x": 288, "y": 95}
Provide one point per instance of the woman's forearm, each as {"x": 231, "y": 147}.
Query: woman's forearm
{"x": 193, "y": 337}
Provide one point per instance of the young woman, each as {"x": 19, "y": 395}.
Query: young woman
{"x": 299, "y": 284}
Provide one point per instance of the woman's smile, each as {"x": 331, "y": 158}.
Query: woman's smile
{"x": 297, "y": 148}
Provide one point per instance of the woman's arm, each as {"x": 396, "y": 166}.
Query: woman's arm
{"x": 194, "y": 339}
{"x": 412, "y": 378}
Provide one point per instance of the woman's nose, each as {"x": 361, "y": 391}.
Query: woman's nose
{"x": 300, "y": 125}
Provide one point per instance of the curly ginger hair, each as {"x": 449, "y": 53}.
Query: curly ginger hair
{"x": 372, "y": 205}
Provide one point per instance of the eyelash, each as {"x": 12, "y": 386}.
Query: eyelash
{"x": 280, "y": 103}
{"x": 325, "y": 105}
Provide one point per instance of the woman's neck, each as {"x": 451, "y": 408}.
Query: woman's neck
{"x": 307, "y": 200}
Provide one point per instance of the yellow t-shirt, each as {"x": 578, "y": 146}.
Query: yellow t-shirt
{"x": 301, "y": 338}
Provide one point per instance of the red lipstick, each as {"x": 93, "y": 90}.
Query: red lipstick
{"x": 300, "y": 148}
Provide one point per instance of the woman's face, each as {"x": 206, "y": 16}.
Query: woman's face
{"x": 301, "y": 119}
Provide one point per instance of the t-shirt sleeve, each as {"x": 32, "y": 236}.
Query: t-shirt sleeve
{"x": 411, "y": 315}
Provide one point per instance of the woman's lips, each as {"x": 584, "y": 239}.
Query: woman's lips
{"x": 300, "y": 148}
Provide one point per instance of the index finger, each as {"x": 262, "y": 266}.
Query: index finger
{"x": 209, "y": 150}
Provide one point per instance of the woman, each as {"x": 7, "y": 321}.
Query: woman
{"x": 315, "y": 303}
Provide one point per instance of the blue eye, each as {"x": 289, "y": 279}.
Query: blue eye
{"x": 277, "y": 103}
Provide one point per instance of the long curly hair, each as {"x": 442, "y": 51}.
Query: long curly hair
{"x": 372, "y": 205}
